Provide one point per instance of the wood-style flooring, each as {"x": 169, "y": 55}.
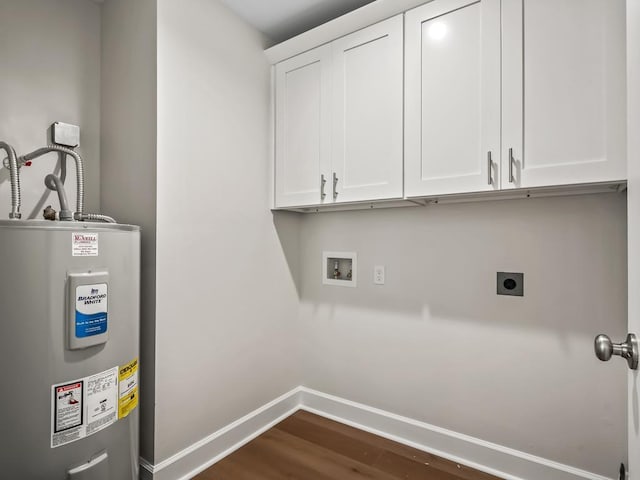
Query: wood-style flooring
{"x": 309, "y": 447}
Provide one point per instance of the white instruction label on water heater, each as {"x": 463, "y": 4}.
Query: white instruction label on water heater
{"x": 83, "y": 407}
{"x": 102, "y": 400}
{"x": 84, "y": 244}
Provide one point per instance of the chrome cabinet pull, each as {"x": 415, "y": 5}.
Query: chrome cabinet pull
{"x": 322, "y": 182}
{"x": 489, "y": 167}
{"x": 511, "y": 160}
{"x": 335, "y": 184}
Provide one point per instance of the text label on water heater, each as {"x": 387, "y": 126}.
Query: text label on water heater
{"x": 83, "y": 407}
{"x": 84, "y": 244}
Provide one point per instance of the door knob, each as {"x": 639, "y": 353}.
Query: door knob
{"x": 605, "y": 348}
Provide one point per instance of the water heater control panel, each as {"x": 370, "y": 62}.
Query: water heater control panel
{"x": 87, "y": 309}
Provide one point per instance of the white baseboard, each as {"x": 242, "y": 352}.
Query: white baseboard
{"x": 485, "y": 456}
{"x": 204, "y": 453}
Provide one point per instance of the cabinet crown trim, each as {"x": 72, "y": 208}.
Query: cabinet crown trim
{"x": 365, "y": 16}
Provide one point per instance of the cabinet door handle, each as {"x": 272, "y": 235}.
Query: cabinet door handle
{"x": 489, "y": 167}
{"x": 511, "y": 160}
{"x": 335, "y": 184}
{"x": 322, "y": 182}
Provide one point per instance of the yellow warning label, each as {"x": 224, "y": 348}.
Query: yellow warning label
{"x": 128, "y": 388}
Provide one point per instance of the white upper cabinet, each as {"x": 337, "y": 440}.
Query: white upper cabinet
{"x": 303, "y": 110}
{"x": 564, "y": 89}
{"x": 367, "y": 113}
{"x": 338, "y": 120}
{"x": 452, "y": 97}
{"x": 455, "y": 97}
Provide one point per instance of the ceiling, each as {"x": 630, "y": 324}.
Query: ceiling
{"x": 280, "y": 20}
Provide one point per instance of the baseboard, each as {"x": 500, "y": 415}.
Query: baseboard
{"x": 485, "y": 456}
{"x": 204, "y": 453}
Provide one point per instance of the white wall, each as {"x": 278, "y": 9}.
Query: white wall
{"x": 436, "y": 343}
{"x": 50, "y": 54}
{"x": 227, "y": 307}
{"x": 128, "y": 167}
{"x": 633, "y": 126}
{"x": 239, "y": 316}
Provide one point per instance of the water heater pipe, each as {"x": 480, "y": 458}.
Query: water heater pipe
{"x": 53, "y": 182}
{"x": 79, "y": 171}
{"x": 14, "y": 176}
{"x": 15, "y": 163}
{"x": 96, "y": 217}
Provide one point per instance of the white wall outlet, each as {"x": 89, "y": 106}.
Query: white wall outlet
{"x": 378, "y": 274}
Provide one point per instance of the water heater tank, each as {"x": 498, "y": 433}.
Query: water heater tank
{"x": 69, "y": 342}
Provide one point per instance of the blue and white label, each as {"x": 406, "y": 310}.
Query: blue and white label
{"x": 91, "y": 310}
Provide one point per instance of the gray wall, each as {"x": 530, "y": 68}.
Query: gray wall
{"x": 227, "y": 307}
{"x": 50, "y": 53}
{"x": 436, "y": 343}
{"x": 128, "y": 169}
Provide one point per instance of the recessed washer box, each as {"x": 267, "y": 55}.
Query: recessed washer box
{"x": 339, "y": 268}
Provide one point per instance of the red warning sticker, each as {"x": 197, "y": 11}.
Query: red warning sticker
{"x": 83, "y": 407}
{"x": 67, "y": 413}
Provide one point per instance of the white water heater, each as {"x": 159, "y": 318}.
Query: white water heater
{"x": 69, "y": 343}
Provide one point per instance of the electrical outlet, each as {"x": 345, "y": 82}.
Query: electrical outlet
{"x": 378, "y": 274}
{"x": 510, "y": 283}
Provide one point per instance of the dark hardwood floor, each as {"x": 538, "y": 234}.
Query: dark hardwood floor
{"x": 309, "y": 447}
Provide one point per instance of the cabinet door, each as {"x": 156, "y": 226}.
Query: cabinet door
{"x": 452, "y": 97}
{"x": 564, "y": 91}
{"x": 367, "y": 113}
{"x": 302, "y": 124}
